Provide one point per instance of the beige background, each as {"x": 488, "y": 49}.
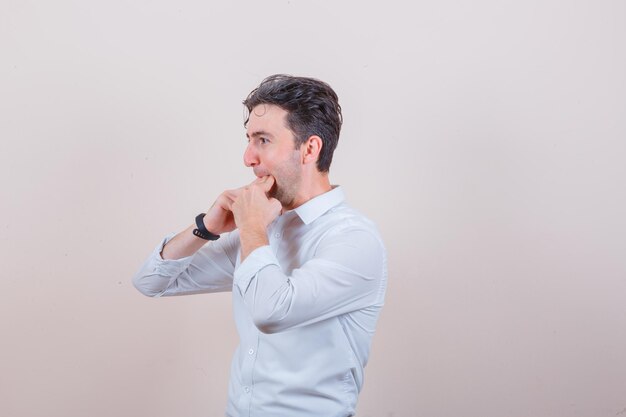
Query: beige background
{"x": 486, "y": 138}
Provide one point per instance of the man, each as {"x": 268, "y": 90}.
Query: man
{"x": 307, "y": 273}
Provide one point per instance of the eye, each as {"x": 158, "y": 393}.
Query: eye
{"x": 263, "y": 140}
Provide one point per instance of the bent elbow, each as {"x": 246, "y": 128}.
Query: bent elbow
{"x": 139, "y": 282}
{"x": 265, "y": 326}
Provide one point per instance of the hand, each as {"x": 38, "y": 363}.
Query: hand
{"x": 252, "y": 209}
{"x": 224, "y": 216}
{"x": 219, "y": 218}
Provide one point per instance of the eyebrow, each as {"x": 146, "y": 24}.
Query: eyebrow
{"x": 258, "y": 133}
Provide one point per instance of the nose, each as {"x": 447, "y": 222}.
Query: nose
{"x": 250, "y": 157}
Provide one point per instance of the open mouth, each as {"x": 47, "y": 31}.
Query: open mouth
{"x": 272, "y": 192}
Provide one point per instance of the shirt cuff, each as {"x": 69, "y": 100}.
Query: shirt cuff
{"x": 169, "y": 267}
{"x": 252, "y": 265}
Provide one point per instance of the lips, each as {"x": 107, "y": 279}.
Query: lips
{"x": 260, "y": 174}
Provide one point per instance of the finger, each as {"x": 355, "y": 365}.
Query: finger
{"x": 229, "y": 203}
{"x": 236, "y": 192}
{"x": 267, "y": 183}
{"x": 277, "y": 207}
{"x": 256, "y": 181}
{"x": 226, "y": 199}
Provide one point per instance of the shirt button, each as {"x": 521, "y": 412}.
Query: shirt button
{"x": 246, "y": 389}
{"x": 251, "y": 351}
{"x": 277, "y": 235}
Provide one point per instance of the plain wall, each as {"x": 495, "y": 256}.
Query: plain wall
{"x": 487, "y": 139}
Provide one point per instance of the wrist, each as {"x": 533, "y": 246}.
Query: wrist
{"x": 208, "y": 225}
{"x": 201, "y": 230}
{"x": 252, "y": 238}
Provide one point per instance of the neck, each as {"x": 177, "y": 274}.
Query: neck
{"x": 311, "y": 186}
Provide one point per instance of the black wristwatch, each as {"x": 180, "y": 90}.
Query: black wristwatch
{"x": 201, "y": 230}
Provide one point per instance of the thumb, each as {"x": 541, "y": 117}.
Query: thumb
{"x": 276, "y": 206}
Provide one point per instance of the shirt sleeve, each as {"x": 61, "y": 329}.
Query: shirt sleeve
{"x": 347, "y": 273}
{"x": 208, "y": 270}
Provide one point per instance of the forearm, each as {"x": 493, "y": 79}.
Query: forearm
{"x": 182, "y": 245}
{"x": 209, "y": 269}
{"x": 252, "y": 237}
{"x": 346, "y": 272}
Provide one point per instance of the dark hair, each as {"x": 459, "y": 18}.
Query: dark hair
{"x": 312, "y": 106}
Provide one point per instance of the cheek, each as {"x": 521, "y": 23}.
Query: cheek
{"x": 272, "y": 164}
{"x": 288, "y": 171}
{"x": 283, "y": 167}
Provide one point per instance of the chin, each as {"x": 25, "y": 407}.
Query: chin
{"x": 285, "y": 198}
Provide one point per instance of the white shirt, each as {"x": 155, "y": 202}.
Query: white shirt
{"x": 305, "y": 307}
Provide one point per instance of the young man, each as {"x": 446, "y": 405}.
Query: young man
{"x": 307, "y": 272}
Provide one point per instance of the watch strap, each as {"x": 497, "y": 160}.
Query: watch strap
{"x": 201, "y": 230}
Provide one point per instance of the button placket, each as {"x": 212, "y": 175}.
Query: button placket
{"x": 276, "y": 233}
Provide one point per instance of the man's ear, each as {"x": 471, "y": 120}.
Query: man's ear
{"x": 311, "y": 149}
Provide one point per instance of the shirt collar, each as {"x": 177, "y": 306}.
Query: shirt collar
{"x": 315, "y": 207}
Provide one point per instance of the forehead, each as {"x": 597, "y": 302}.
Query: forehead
{"x": 268, "y": 118}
